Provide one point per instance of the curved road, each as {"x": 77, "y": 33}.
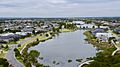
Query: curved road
{"x": 10, "y": 56}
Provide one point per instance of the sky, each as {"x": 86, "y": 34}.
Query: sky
{"x": 59, "y": 8}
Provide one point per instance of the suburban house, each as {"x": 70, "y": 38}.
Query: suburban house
{"x": 88, "y": 26}
{"x": 117, "y": 30}
{"x": 118, "y": 40}
{"x": 104, "y": 37}
{"x": 78, "y": 22}
{"x": 8, "y": 37}
{"x": 114, "y": 23}
{"x": 55, "y": 25}
{"x": 98, "y": 30}
{"x": 104, "y": 27}
{"x": 28, "y": 29}
{"x": 21, "y": 33}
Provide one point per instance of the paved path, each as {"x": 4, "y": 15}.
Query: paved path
{"x": 87, "y": 62}
{"x": 118, "y": 48}
{"x": 11, "y": 57}
{"x": 23, "y": 43}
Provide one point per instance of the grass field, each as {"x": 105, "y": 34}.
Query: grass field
{"x": 66, "y": 30}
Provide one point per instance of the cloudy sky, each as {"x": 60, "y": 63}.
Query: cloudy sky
{"x": 59, "y": 8}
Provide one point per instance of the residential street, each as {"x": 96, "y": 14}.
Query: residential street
{"x": 11, "y": 57}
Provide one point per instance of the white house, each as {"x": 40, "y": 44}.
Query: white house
{"x": 6, "y": 34}
{"x": 104, "y": 27}
{"x": 78, "y": 22}
{"x": 104, "y": 34}
{"x": 88, "y": 26}
{"x": 21, "y": 33}
{"x": 28, "y": 29}
{"x": 103, "y": 37}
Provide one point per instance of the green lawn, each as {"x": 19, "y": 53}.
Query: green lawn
{"x": 66, "y": 30}
{"x": 3, "y": 53}
{"x": 118, "y": 44}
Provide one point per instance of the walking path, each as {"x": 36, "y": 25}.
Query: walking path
{"x": 118, "y": 48}
{"x": 10, "y": 56}
{"x": 87, "y": 62}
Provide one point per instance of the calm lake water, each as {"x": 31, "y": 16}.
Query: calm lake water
{"x": 66, "y": 46}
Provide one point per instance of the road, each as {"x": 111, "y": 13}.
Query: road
{"x": 10, "y": 56}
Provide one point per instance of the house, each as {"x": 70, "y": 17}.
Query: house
{"x": 78, "y": 22}
{"x": 117, "y": 30}
{"x": 118, "y": 40}
{"x": 106, "y": 23}
{"x": 104, "y": 37}
{"x": 87, "y": 26}
{"x": 55, "y": 25}
{"x": 21, "y": 33}
{"x": 8, "y": 37}
{"x": 104, "y": 27}
{"x": 114, "y": 23}
{"x": 28, "y": 29}
{"x": 104, "y": 34}
{"x": 98, "y": 30}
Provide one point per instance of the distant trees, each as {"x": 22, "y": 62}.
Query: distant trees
{"x": 67, "y": 25}
{"x": 88, "y": 21}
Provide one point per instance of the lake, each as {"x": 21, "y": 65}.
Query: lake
{"x": 64, "y": 47}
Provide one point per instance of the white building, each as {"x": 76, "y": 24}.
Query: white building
{"x": 78, "y": 22}
{"x": 104, "y": 34}
{"x": 103, "y": 37}
{"x": 104, "y": 27}
{"x": 88, "y": 26}
{"x": 21, "y": 33}
{"x": 6, "y": 34}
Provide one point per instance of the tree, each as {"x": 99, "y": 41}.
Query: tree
{"x": 32, "y": 56}
{"x": 47, "y": 35}
{"x": 93, "y": 27}
{"x": 34, "y": 53}
{"x": 6, "y": 47}
{"x": 17, "y": 53}
{"x": 4, "y": 62}
{"x": 33, "y": 31}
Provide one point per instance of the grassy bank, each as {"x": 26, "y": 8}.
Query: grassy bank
{"x": 93, "y": 40}
{"x": 35, "y": 40}
{"x": 31, "y": 42}
{"x": 3, "y": 53}
{"x": 104, "y": 58}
